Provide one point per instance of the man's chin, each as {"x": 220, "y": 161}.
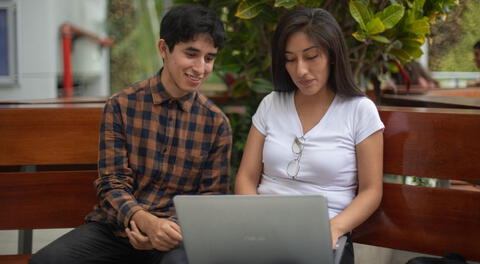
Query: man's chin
{"x": 191, "y": 89}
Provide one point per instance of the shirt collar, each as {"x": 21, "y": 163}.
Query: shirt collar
{"x": 161, "y": 96}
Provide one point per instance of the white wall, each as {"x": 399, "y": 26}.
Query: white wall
{"x": 36, "y": 57}
{"x": 40, "y": 59}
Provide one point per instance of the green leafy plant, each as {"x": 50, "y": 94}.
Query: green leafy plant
{"x": 392, "y": 32}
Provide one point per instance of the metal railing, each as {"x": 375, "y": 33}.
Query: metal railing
{"x": 455, "y": 79}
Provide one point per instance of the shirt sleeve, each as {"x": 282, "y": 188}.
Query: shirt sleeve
{"x": 115, "y": 182}
{"x": 215, "y": 172}
{"x": 367, "y": 120}
{"x": 259, "y": 118}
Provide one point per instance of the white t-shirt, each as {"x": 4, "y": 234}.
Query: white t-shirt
{"x": 328, "y": 162}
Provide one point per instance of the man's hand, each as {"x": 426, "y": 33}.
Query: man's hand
{"x": 137, "y": 239}
{"x": 163, "y": 234}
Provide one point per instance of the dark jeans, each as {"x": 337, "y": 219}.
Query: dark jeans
{"x": 96, "y": 243}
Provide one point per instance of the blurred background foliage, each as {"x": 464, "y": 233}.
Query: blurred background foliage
{"x": 379, "y": 33}
{"x": 452, "y": 40}
{"x": 134, "y": 26}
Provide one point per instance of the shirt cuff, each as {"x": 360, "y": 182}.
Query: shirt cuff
{"x": 127, "y": 211}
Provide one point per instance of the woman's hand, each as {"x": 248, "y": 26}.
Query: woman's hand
{"x": 336, "y": 233}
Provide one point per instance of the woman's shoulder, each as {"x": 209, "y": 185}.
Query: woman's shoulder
{"x": 355, "y": 102}
{"x": 277, "y": 98}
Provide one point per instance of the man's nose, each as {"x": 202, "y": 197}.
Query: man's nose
{"x": 199, "y": 66}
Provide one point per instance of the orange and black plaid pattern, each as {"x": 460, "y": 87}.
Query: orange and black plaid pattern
{"x": 153, "y": 147}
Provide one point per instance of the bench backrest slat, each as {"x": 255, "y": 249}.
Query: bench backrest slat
{"x": 62, "y": 141}
{"x": 429, "y": 143}
{"x": 426, "y": 220}
{"x": 432, "y": 143}
{"x": 46, "y": 199}
{"x": 36, "y": 136}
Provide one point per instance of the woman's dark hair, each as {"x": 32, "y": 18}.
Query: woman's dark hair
{"x": 184, "y": 22}
{"x": 322, "y": 29}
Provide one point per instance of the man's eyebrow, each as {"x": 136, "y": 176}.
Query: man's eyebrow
{"x": 307, "y": 49}
{"x": 197, "y": 50}
{"x": 192, "y": 49}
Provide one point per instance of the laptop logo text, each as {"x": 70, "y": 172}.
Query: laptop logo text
{"x": 254, "y": 238}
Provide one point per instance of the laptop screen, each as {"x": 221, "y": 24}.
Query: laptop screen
{"x": 255, "y": 229}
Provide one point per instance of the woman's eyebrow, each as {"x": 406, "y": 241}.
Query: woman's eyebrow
{"x": 304, "y": 50}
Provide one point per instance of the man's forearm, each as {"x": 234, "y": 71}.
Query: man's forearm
{"x": 142, "y": 219}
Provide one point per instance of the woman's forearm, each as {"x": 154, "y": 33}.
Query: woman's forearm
{"x": 358, "y": 211}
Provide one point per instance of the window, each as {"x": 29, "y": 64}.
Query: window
{"x": 8, "y": 53}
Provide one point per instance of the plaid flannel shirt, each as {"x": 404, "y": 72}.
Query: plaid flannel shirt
{"x": 153, "y": 147}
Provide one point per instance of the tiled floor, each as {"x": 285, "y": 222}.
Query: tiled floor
{"x": 9, "y": 239}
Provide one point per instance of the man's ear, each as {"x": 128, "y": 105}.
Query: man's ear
{"x": 162, "y": 48}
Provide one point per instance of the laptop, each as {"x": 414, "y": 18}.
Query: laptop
{"x": 256, "y": 229}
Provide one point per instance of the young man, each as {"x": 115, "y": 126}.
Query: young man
{"x": 476, "y": 59}
{"x": 158, "y": 138}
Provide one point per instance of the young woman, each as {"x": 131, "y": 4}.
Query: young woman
{"x": 317, "y": 133}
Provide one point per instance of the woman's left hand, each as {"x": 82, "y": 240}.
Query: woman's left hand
{"x": 336, "y": 233}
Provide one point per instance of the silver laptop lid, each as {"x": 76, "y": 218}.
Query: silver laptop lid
{"x": 255, "y": 229}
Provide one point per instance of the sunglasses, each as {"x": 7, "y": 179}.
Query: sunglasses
{"x": 293, "y": 166}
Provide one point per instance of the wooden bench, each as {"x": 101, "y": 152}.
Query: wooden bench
{"x": 421, "y": 142}
{"x": 48, "y": 156}
{"x": 434, "y": 143}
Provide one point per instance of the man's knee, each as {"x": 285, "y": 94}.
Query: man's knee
{"x": 51, "y": 254}
{"x": 86, "y": 242}
{"x": 175, "y": 256}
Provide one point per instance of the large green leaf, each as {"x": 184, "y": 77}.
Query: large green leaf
{"x": 285, "y": 3}
{"x": 360, "y": 13}
{"x": 249, "y": 9}
{"x": 380, "y": 38}
{"x": 409, "y": 17}
{"x": 418, "y": 41}
{"x": 413, "y": 52}
{"x": 411, "y": 42}
{"x": 412, "y": 46}
{"x": 375, "y": 26}
{"x": 417, "y": 8}
{"x": 418, "y": 5}
{"x": 401, "y": 55}
{"x": 359, "y": 36}
{"x": 418, "y": 27}
{"x": 391, "y": 15}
